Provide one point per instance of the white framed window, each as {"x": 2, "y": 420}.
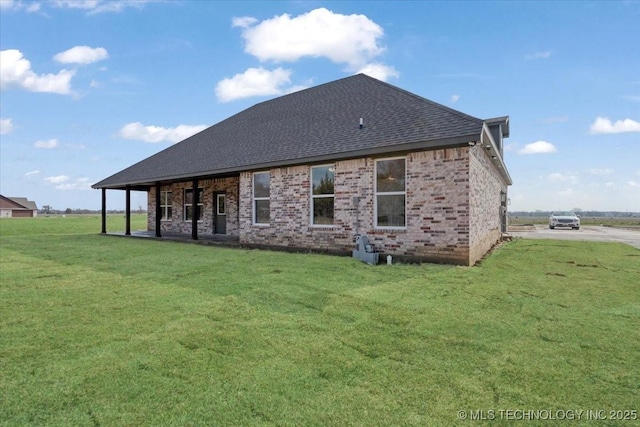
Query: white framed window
{"x": 188, "y": 204}
{"x": 322, "y": 194}
{"x": 166, "y": 205}
{"x": 390, "y": 193}
{"x": 261, "y": 194}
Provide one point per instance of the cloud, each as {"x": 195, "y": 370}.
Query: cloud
{"x": 633, "y": 184}
{"x": 538, "y": 147}
{"x": 253, "y": 82}
{"x": 379, "y": 71}
{"x": 604, "y": 125}
{"x": 6, "y": 126}
{"x": 154, "y": 134}
{"x": 79, "y": 184}
{"x": 538, "y": 55}
{"x": 16, "y": 6}
{"x": 57, "y": 179}
{"x": 344, "y": 39}
{"x": 32, "y": 173}
{"x": 455, "y": 98}
{"x": 51, "y": 143}
{"x": 601, "y": 172}
{"x": 101, "y": 6}
{"x": 82, "y": 55}
{"x": 15, "y": 71}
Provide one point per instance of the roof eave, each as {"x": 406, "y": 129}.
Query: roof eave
{"x": 452, "y": 142}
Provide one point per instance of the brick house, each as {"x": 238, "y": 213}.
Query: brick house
{"x": 317, "y": 167}
{"x": 17, "y": 207}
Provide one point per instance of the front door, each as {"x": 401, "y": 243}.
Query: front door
{"x": 220, "y": 214}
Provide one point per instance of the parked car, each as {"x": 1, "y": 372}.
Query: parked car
{"x": 564, "y": 219}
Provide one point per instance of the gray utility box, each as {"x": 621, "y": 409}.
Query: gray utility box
{"x": 364, "y": 251}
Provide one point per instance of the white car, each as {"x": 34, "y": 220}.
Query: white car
{"x": 564, "y": 219}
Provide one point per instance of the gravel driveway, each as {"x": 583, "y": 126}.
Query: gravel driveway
{"x": 594, "y": 233}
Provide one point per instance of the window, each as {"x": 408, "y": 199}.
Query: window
{"x": 261, "y": 184}
{"x": 188, "y": 204}
{"x": 390, "y": 193}
{"x": 322, "y": 194}
{"x": 166, "y": 205}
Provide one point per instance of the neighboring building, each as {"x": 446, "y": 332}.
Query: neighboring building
{"x": 317, "y": 167}
{"x": 17, "y": 207}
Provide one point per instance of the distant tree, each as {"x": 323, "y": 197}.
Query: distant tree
{"x": 577, "y": 210}
{"x": 68, "y": 211}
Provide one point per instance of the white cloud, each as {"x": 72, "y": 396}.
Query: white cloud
{"x": 57, "y": 179}
{"x": 379, "y": 71}
{"x": 344, "y": 39}
{"x": 15, "y": 5}
{"x": 50, "y": 143}
{"x": 538, "y": 147}
{"x": 633, "y": 184}
{"x": 153, "y": 134}
{"x": 100, "y": 6}
{"x": 601, "y": 172}
{"x": 32, "y": 173}
{"x": 604, "y": 125}
{"x": 538, "y": 55}
{"x": 253, "y": 82}
{"x": 15, "y": 71}
{"x": 82, "y": 55}
{"x": 455, "y": 98}
{"x": 79, "y": 184}
{"x": 6, "y": 126}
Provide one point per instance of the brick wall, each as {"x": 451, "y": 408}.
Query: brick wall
{"x": 452, "y": 207}
{"x": 486, "y": 186}
{"x": 437, "y": 208}
{"x": 205, "y": 225}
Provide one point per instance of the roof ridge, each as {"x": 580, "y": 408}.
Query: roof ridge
{"x": 422, "y": 98}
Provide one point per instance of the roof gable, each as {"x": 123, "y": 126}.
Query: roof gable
{"x": 20, "y": 203}
{"x": 314, "y": 124}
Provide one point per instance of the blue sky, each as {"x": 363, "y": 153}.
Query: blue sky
{"x": 90, "y": 87}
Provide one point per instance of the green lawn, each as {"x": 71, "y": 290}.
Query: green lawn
{"x": 103, "y": 330}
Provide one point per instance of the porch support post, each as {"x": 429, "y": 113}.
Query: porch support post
{"x": 127, "y": 213}
{"x": 104, "y": 210}
{"x": 158, "y": 211}
{"x": 194, "y": 211}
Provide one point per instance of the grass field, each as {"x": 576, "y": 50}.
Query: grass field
{"x": 101, "y": 330}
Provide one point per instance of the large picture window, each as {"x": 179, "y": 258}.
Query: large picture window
{"x": 390, "y": 188}
{"x": 188, "y": 204}
{"x": 322, "y": 194}
{"x": 166, "y": 205}
{"x": 261, "y": 192}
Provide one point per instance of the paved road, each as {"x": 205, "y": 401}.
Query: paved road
{"x": 587, "y": 232}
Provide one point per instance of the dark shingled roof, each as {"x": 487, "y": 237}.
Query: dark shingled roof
{"x": 316, "y": 124}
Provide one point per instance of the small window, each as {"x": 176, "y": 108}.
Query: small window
{"x": 390, "y": 188}
{"x": 322, "y": 194}
{"x": 221, "y": 208}
{"x": 166, "y": 205}
{"x": 261, "y": 193}
{"x": 188, "y": 204}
